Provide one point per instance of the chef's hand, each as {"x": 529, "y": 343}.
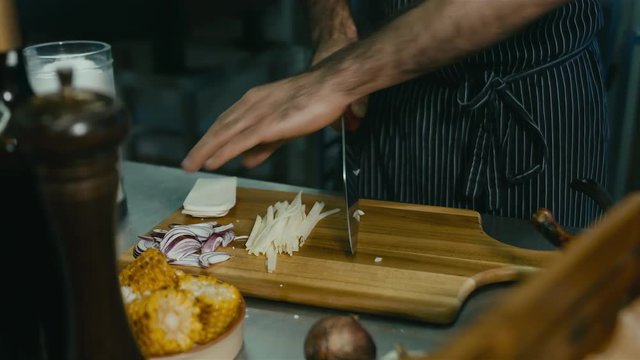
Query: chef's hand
{"x": 356, "y": 111}
{"x": 266, "y": 116}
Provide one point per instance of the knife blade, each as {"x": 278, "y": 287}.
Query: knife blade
{"x": 350, "y": 172}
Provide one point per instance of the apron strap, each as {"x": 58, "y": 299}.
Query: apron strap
{"x": 483, "y": 160}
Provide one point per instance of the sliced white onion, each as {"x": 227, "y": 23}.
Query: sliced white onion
{"x": 284, "y": 228}
{"x": 357, "y": 214}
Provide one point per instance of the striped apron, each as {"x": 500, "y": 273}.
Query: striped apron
{"x": 504, "y": 131}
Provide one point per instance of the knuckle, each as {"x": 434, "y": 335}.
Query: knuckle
{"x": 252, "y": 93}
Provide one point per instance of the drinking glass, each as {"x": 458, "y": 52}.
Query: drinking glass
{"x": 90, "y": 61}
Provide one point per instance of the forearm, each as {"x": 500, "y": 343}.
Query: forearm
{"x": 331, "y": 21}
{"x": 436, "y": 33}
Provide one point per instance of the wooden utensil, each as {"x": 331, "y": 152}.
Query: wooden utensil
{"x": 546, "y": 224}
{"x": 71, "y": 140}
{"x": 569, "y": 309}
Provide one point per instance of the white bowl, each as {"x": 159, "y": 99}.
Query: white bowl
{"x": 226, "y": 346}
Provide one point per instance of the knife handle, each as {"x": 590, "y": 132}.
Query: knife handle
{"x": 547, "y": 225}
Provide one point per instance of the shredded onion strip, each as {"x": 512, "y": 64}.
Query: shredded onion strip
{"x": 284, "y": 229}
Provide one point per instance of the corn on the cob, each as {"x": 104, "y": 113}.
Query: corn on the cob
{"x": 148, "y": 273}
{"x": 171, "y": 311}
{"x": 218, "y": 302}
{"x": 164, "y": 322}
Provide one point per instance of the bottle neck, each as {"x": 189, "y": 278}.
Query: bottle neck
{"x": 9, "y": 29}
{"x": 14, "y": 87}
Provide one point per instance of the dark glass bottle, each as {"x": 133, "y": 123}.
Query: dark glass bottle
{"x": 14, "y": 87}
{"x": 36, "y": 322}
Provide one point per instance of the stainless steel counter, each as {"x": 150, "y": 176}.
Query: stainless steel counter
{"x": 275, "y": 330}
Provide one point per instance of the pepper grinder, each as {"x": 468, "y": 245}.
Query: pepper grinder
{"x": 71, "y": 138}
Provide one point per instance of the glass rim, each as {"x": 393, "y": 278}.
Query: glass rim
{"x": 32, "y": 48}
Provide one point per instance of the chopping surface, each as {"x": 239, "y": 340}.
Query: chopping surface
{"x": 413, "y": 261}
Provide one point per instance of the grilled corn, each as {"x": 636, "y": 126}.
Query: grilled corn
{"x": 170, "y": 311}
{"x": 218, "y": 302}
{"x": 148, "y": 272}
{"x": 164, "y": 322}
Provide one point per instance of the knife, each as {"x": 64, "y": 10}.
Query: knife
{"x": 350, "y": 172}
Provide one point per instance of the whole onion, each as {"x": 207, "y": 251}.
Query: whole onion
{"x": 338, "y": 337}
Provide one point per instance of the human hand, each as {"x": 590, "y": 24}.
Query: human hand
{"x": 356, "y": 111}
{"x": 266, "y": 116}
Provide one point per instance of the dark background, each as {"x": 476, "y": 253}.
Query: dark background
{"x": 180, "y": 63}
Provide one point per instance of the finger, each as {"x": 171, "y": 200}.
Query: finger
{"x": 241, "y": 143}
{"x": 196, "y": 157}
{"x": 257, "y": 155}
{"x": 224, "y": 129}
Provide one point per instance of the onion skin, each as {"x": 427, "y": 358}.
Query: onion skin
{"x": 338, "y": 338}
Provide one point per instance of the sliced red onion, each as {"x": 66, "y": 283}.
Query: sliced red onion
{"x": 211, "y": 258}
{"x": 174, "y": 236}
{"x": 222, "y": 228}
{"x": 182, "y": 248}
{"x": 190, "y": 260}
{"x": 202, "y": 230}
{"x": 211, "y": 244}
{"x": 158, "y": 234}
{"x": 189, "y": 245}
{"x": 179, "y": 242}
{"x": 153, "y": 236}
{"x": 137, "y": 252}
{"x": 228, "y": 237}
{"x": 142, "y": 246}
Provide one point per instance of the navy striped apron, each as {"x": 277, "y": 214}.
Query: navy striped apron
{"x": 504, "y": 131}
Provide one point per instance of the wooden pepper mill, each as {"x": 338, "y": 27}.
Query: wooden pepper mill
{"x": 71, "y": 139}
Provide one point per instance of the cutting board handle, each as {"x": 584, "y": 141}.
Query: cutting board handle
{"x": 570, "y": 309}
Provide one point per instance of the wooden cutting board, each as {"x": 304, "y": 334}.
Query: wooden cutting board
{"x": 429, "y": 259}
